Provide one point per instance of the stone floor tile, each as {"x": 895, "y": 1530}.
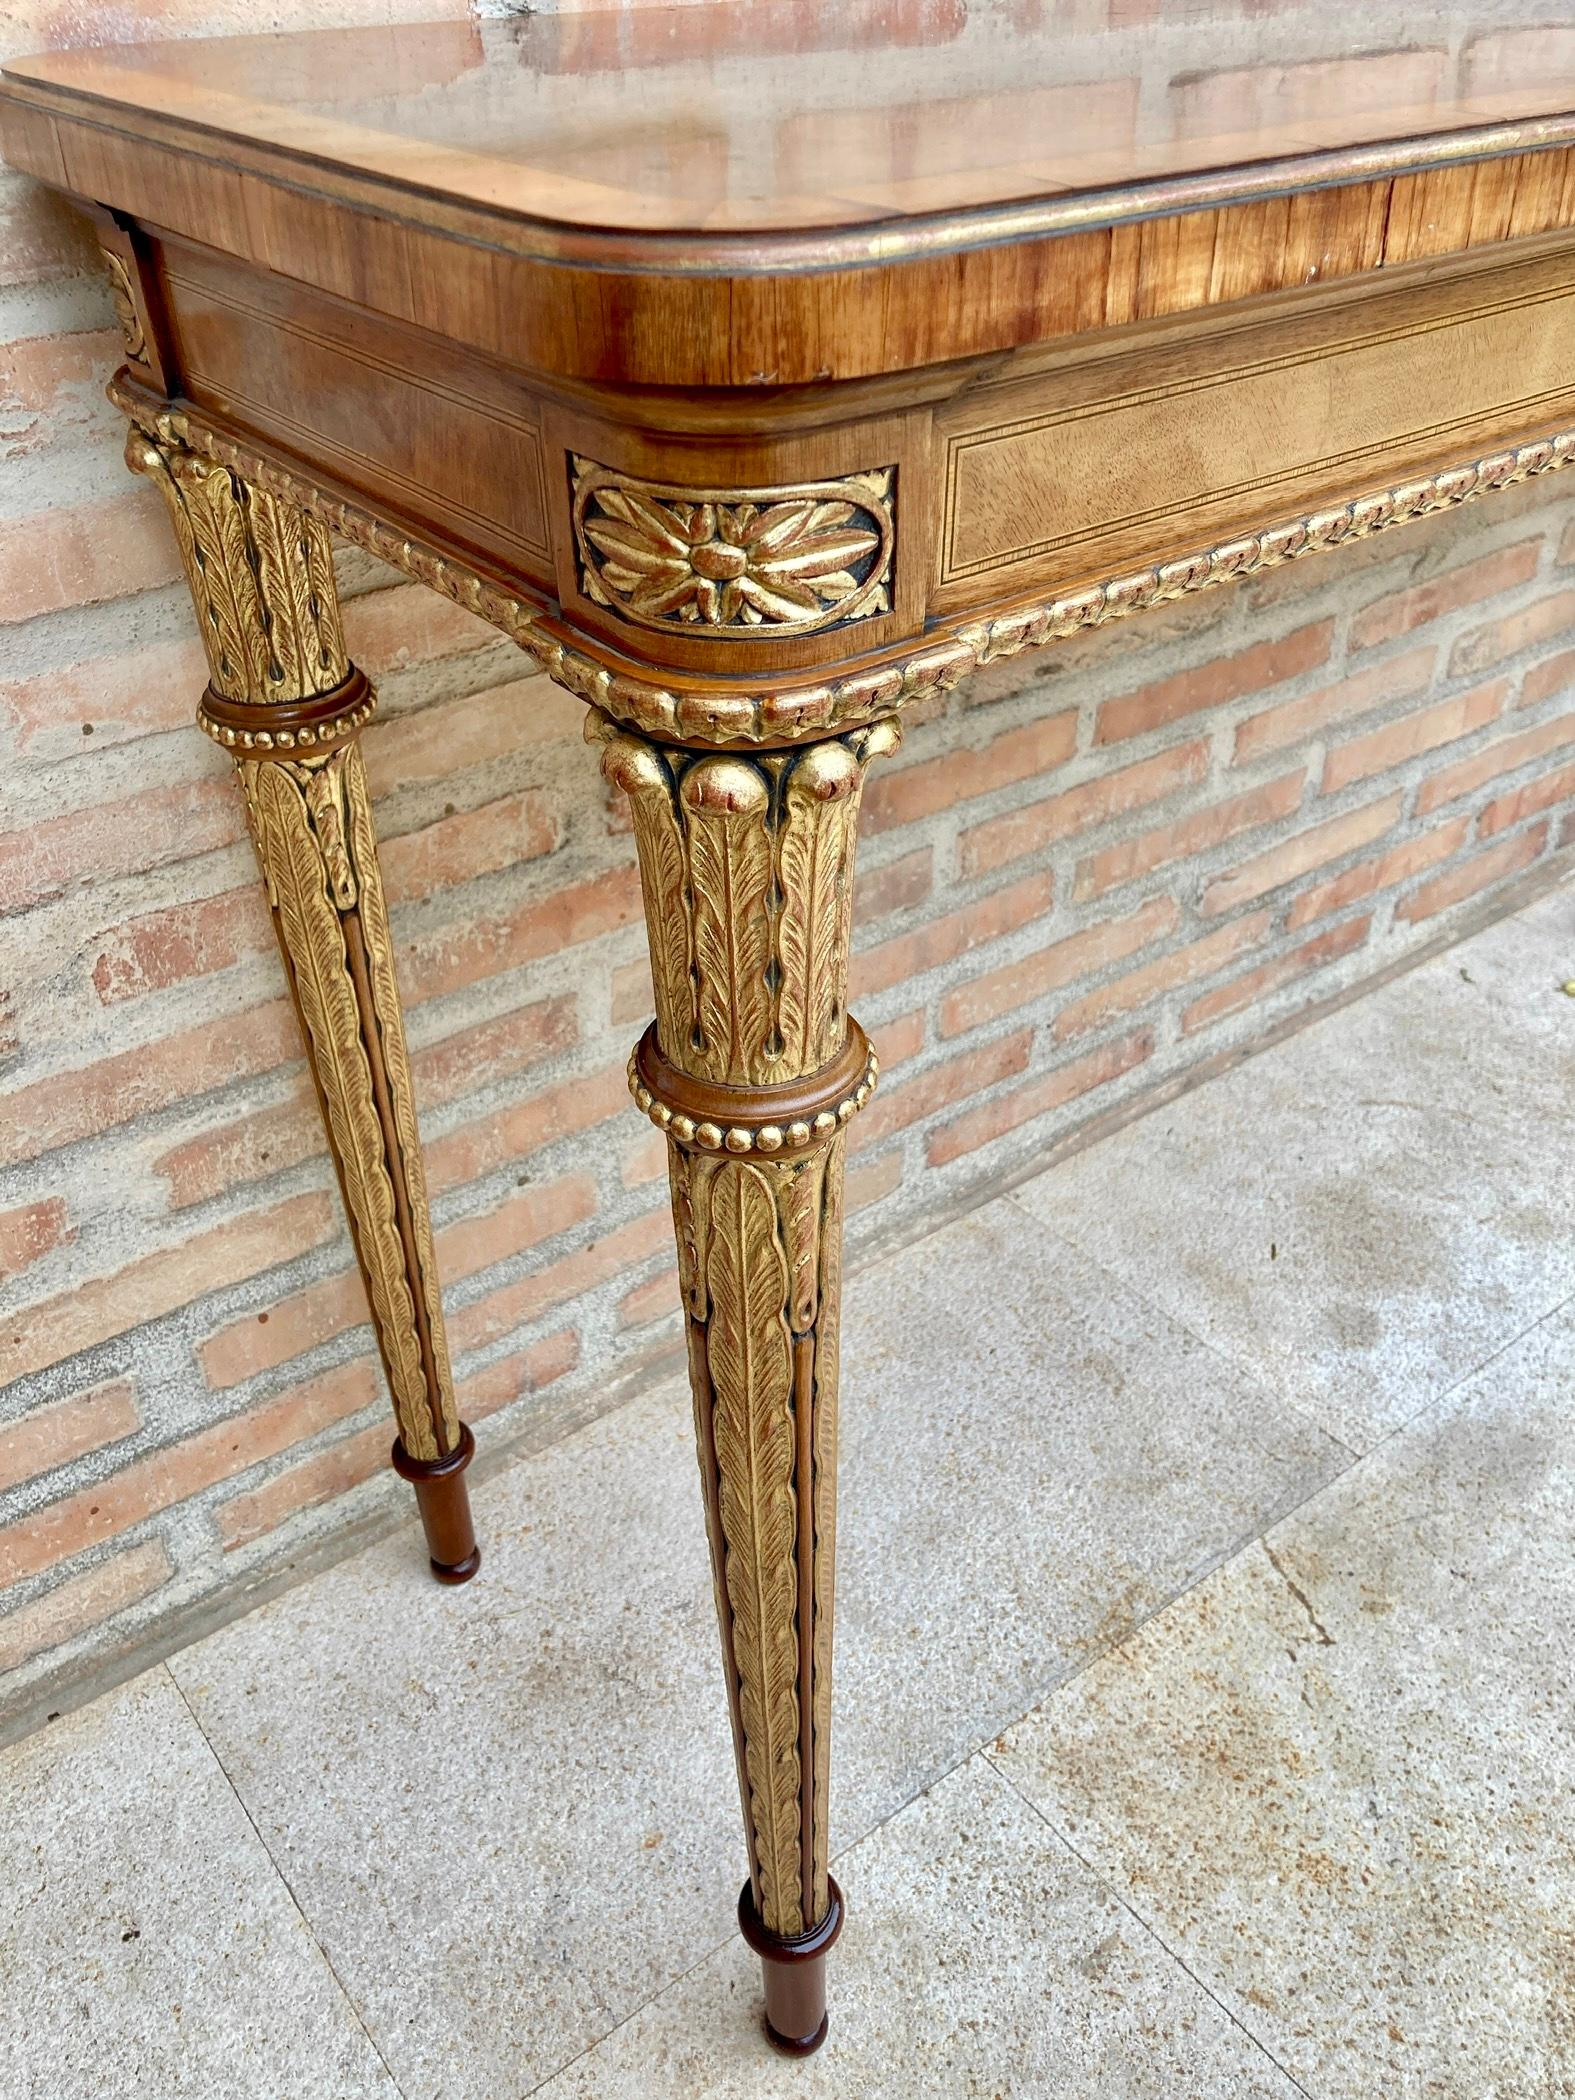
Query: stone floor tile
{"x": 509, "y": 1811}
{"x": 147, "y": 1945}
{"x": 525, "y": 1789}
{"x": 1034, "y": 1460}
{"x": 1364, "y": 1214}
{"x": 980, "y": 1960}
{"x": 1338, "y": 1777}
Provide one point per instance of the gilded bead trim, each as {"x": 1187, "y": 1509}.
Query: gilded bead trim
{"x": 763, "y": 1137}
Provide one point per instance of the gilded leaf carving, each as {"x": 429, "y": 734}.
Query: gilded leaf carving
{"x": 390, "y": 1046}
{"x": 726, "y": 814}
{"x": 283, "y": 799}
{"x": 824, "y": 1488}
{"x": 816, "y": 876}
{"x": 261, "y": 576}
{"x": 749, "y": 1357}
{"x": 742, "y": 561}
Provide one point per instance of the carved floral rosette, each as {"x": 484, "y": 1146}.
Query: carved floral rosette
{"x": 768, "y": 561}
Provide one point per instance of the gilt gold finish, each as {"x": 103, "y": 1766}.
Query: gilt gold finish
{"x": 281, "y": 688}
{"x": 772, "y": 561}
{"x": 753, "y": 1068}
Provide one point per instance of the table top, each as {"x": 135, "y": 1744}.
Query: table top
{"x": 864, "y": 131}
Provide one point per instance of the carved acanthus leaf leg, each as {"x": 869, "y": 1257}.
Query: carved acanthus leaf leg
{"x": 753, "y": 1068}
{"x": 284, "y": 699}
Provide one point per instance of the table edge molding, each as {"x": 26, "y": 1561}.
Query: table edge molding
{"x": 714, "y": 713}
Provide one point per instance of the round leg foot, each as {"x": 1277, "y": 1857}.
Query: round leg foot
{"x": 444, "y": 1503}
{"x": 795, "y": 1974}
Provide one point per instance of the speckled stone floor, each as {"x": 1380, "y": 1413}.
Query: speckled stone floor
{"x": 1206, "y": 1709}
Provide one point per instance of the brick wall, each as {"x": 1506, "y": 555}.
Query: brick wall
{"x": 1088, "y": 877}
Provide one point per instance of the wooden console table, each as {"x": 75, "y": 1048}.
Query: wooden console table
{"x": 757, "y": 369}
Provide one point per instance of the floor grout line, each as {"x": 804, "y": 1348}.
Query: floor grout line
{"x": 1115, "y": 1894}
{"x": 283, "y": 1879}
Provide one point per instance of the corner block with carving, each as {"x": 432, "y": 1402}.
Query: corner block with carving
{"x": 284, "y": 699}
{"x": 753, "y": 1068}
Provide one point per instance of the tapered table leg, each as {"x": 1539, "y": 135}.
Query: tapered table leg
{"x": 753, "y": 1068}
{"x": 283, "y": 698}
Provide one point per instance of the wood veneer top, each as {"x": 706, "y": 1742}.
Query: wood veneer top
{"x": 785, "y": 133}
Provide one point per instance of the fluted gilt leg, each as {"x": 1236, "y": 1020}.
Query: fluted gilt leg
{"x": 284, "y": 699}
{"x": 753, "y": 1068}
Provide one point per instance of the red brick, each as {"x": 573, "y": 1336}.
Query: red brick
{"x": 1294, "y": 721}
{"x": 1048, "y": 969}
{"x": 54, "y": 378}
{"x": 259, "y": 1145}
{"x": 405, "y": 623}
{"x": 275, "y": 1138}
{"x": 467, "y": 1058}
{"x": 1383, "y": 872}
{"x": 40, "y": 236}
{"x": 897, "y": 886}
{"x": 117, "y": 838}
{"x": 657, "y": 1299}
{"x": 1185, "y": 837}
{"x": 82, "y": 1603}
{"x": 1549, "y": 620}
{"x": 80, "y": 1102}
{"x": 476, "y": 1148}
{"x": 473, "y": 842}
{"x": 632, "y": 997}
{"x": 483, "y": 1321}
{"x": 1425, "y": 730}
{"x": 970, "y": 1073}
{"x": 144, "y": 691}
{"x": 1505, "y": 755}
{"x": 147, "y": 1289}
{"x": 31, "y": 1231}
{"x": 298, "y": 1323}
{"x": 898, "y": 1040}
{"x": 473, "y": 730}
{"x": 1386, "y": 619}
{"x": 479, "y": 948}
{"x": 980, "y": 1126}
{"x": 645, "y": 1160}
{"x": 955, "y": 933}
{"x": 1293, "y": 857}
{"x": 1180, "y": 966}
{"x": 183, "y": 941}
{"x": 80, "y": 554}
{"x": 344, "y": 1465}
{"x": 1480, "y": 872}
{"x": 1028, "y": 830}
{"x": 53, "y": 1436}
{"x": 469, "y": 1245}
{"x": 1243, "y": 991}
{"x": 957, "y": 776}
{"x": 1210, "y": 685}
{"x": 869, "y": 1180}
{"x": 1555, "y": 674}
{"x": 1546, "y": 793}
{"x": 163, "y": 1478}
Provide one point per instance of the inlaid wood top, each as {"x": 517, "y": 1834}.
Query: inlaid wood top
{"x": 863, "y": 131}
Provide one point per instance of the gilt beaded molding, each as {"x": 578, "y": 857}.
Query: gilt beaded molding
{"x": 783, "y": 714}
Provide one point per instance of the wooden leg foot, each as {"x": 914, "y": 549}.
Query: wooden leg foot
{"x": 795, "y": 1974}
{"x": 444, "y": 1502}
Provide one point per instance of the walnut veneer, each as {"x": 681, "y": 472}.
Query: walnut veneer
{"x": 758, "y": 368}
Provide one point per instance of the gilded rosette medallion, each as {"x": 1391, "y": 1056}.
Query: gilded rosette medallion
{"x": 734, "y": 562}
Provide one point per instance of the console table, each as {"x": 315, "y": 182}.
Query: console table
{"x": 758, "y": 368}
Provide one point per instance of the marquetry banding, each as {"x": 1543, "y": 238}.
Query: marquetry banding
{"x": 778, "y": 1119}
{"x": 293, "y": 725}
